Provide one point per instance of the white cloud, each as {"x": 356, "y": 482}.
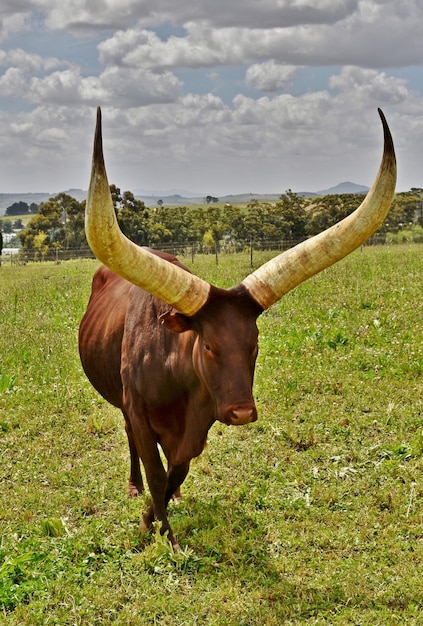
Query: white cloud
{"x": 28, "y": 62}
{"x": 270, "y": 76}
{"x": 13, "y": 82}
{"x": 370, "y": 86}
{"x": 356, "y": 41}
{"x": 82, "y": 14}
{"x": 120, "y": 88}
{"x": 11, "y": 22}
{"x": 179, "y": 124}
{"x": 16, "y": 80}
{"x": 57, "y": 88}
{"x": 265, "y": 144}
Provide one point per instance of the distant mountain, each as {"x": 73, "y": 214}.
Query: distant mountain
{"x": 78, "y": 194}
{"x": 177, "y": 197}
{"x": 7, "y": 199}
{"x": 188, "y": 198}
{"x": 156, "y": 193}
{"x": 178, "y": 200}
{"x": 346, "y": 187}
{"x": 168, "y": 200}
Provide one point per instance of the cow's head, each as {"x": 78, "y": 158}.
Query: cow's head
{"x": 224, "y": 321}
{"x": 224, "y": 350}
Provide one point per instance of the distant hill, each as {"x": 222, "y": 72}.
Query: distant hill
{"x": 243, "y": 198}
{"x": 178, "y": 200}
{"x": 174, "y": 198}
{"x": 156, "y": 193}
{"x": 7, "y": 199}
{"x": 78, "y": 194}
{"x": 343, "y": 188}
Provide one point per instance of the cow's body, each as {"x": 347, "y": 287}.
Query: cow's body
{"x": 172, "y": 376}
{"x": 181, "y": 354}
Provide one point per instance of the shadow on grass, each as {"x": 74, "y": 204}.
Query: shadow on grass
{"x": 214, "y": 537}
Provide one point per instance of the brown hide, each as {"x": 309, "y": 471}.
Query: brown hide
{"x": 174, "y": 371}
{"x": 172, "y": 376}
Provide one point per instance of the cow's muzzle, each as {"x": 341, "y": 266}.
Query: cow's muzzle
{"x": 241, "y": 415}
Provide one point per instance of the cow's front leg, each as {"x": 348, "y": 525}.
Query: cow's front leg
{"x": 157, "y": 482}
{"x": 175, "y": 477}
{"x": 146, "y": 445}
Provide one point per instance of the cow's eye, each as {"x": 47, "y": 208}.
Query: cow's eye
{"x": 207, "y": 347}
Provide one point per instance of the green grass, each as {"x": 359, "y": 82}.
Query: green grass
{"x": 312, "y": 515}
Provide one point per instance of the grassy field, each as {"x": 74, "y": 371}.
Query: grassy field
{"x": 312, "y": 515}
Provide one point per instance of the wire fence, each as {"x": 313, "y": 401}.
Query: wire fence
{"x": 179, "y": 249}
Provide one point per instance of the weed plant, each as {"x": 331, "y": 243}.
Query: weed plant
{"x": 312, "y": 515}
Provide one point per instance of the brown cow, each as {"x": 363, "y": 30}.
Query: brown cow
{"x": 175, "y": 353}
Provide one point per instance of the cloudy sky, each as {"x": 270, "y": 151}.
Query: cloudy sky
{"x": 215, "y": 97}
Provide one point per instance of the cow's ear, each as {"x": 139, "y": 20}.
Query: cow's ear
{"x": 176, "y": 322}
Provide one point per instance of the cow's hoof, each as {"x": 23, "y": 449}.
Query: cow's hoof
{"x": 134, "y": 491}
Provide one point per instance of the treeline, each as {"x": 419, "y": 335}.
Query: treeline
{"x": 59, "y": 222}
{"x": 21, "y": 208}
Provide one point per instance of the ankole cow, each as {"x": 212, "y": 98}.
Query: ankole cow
{"x": 176, "y": 353}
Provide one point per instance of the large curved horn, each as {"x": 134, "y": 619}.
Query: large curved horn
{"x": 182, "y": 290}
{"x": 281, "y": 274}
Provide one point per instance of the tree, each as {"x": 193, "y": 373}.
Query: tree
{"x": 198, "y": 224}
{"x": 17, "y": 208}
{"x": 133, "y": 218}
{"x": 175, "y": 223}
{"x": 116, "y": 196}
{"x": 208, "y": 239}
{"x": 403, "y": 212}
{"x": 6, "y": 226}
{"x": 234, "y": 219}
{"x": 330, "y": 209}
{"x": 292, "y": 216}
{"x": 216, "y": 223}
{"x": 253, "y": 220}
{"x": 61, "y": 220}
{"x": 284, "y": 219}
{"x": 46, "y": 222}
{"x": 263, "y": 221}
{"x": 40, "y": 244}
{"x": 73, "y": 219}
{"x": 159, "y": 233}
